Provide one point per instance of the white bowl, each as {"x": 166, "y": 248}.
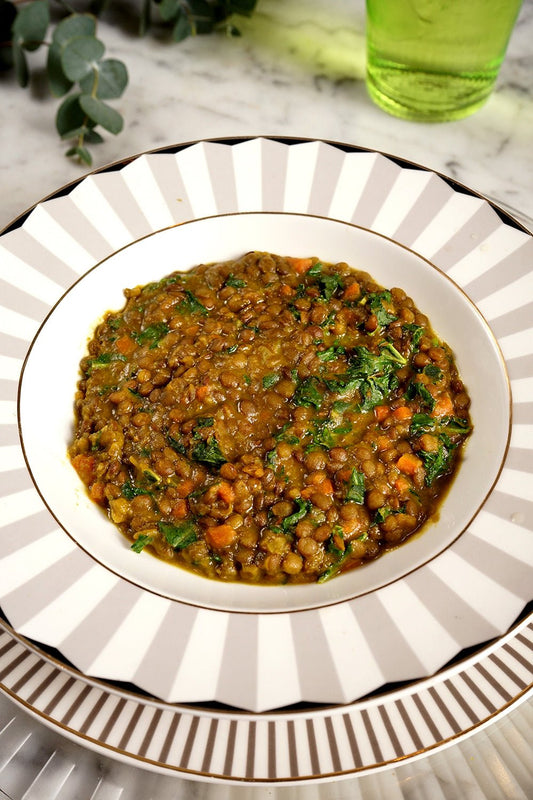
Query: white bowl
{"x": 46, "y": 417}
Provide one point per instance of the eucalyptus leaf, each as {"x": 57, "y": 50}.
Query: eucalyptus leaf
{"x": 31, "y": 23}
{"x": 182, "y": 29}
{"x": 112, "y": 79}
{"x": 80, "y": 55}
{"x": 101, "y": 113}
{"x": 73, "y": 26}
{"x": 82, "y": 153}
{"x": 93, "y": 137}
{"x": 169, "y": 9}
{"x": 70, "y": 116}
{"x": 57, "y": 80}
{"x": 21, "y": 65}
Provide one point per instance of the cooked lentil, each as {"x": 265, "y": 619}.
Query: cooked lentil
{"x": 269, "y": 419}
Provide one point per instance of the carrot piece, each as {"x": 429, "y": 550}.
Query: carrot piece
{"x": 220, "y": 535}
{"x": 125, "y": 345}
{"x": 97, "y": 492}
{"x": 381, "y": 412}
{"x": 402, "y": 413}
{"x": 286, "y": 290}
{"x": 180, "y": 509}
{"x": 185, "y": 487}
{"x": 202, "y": 392}
{"x": 443, "y": 407}
{"x": 85, "y": 467}
{"x": 226, "y": 493}
{"x": 402, "y": 484}
{"x": 352, "y": 291}
{"x": 300, "y": 265}
{"x": 338, "y": 541}
{"x": 307, "y": 492}
{"x": 325, "y": 486}
{"x": 408, "y": 463}
{"x": 344, "y": 474}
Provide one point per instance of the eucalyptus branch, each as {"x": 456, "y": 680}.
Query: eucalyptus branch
{"x": 75, "y": 65}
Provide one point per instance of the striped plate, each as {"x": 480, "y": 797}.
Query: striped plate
{"x": 51, "y": 591}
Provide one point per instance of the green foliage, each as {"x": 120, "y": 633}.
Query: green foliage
{"x": 75, "y": 65}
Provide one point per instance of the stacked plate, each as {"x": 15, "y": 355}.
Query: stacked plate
{"x": 262, "y": 684}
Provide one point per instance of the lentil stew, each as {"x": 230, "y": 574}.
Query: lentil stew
{"x": 269, "y": 419}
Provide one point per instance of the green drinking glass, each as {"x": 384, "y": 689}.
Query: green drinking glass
{"x": 436, "y": 60}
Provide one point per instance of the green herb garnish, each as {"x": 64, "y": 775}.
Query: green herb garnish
{"x": 270, "y": 380}
{"x": 208, "y": 452}
{"x": 437, "y": 463}
{"x": 331, "y": 353}
{"x": 423, "y": 423}
{"x": 307, "y": 393}
{"x": 141, "y": 542}
{"x": 179, "y": 536}
{"x": 433, "y": 372}
{"x": 151, "y": 335}
{"x": 129, "y": 490}
{"x": 289, "y": 522}
{"x": 341, "y": 558}
{"x": 191, "y": 305}
{"x": 236, "y": 283}
{"x": 417, "y": 389}
{"x": 355, "y": 492}
{"x": 376, "y": 302}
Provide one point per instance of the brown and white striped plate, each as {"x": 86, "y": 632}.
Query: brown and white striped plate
{"x": 52, "y": 591}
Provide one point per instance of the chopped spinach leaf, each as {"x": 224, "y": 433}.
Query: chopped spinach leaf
{"x": 270, "y": 380}
{"x": 204, "y": 422}
{"x": 433, "y": 372}
{"x": 141, "y": 542}
{"x": 129, "y": 490}
{"x": 303, "y": 507}
{"x": 355, "y": 492}
{"x": 331, "y": 353}
{"x": 168, "y": 281}
{"x": 382, "y": 514}
{"x": 208, "y": 452}
{"x": 332, "y": 570}
{"x": 179, "y": 536}
{"x": 417, "y": 389}
{"x": 416, "y": 332}
{"x": 176, "y": 444}
{"x": 376, "y": 301}
{"x": 103, "y": 360}
{"x": 236, "y": 283}
{"x": 151, "y": 335}
{"x": 329, "y": 285}
{"x": 307, "y": 393}
{"x": 271, "y": 459}
{"x": 452, "y": 426}
{"x": 329, "y": 321}
{"x": 437, "y": 463}
{"x": 191, "y": 305}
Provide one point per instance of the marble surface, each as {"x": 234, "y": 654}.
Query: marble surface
{"x": 298, "y": 70}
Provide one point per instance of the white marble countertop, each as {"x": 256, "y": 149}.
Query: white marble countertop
{"x": 298, "y": 70}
